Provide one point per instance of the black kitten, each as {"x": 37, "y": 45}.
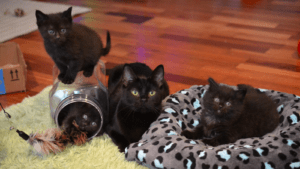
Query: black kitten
{"x": 229, "y": 115}
{"x": 135, "y": 93}
{"x": 73, "y": 47}
{"x": 85, "y": 115}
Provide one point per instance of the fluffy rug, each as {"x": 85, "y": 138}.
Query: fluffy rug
{"x": 32, "y": 115}
{"x": 12, "y": 26}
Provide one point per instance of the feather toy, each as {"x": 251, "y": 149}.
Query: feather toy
{"x": 52, "y": 140}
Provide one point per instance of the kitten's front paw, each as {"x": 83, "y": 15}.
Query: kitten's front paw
{"x": 67, "y": 80}
{"x": 188, "y": 134}
{"x": 61, "y": 76}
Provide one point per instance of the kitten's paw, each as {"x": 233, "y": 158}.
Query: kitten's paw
{"x": 67, "y": 80}
{"x": 61, "y": 76}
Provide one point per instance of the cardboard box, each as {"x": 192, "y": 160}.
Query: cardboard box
{"x": 12, "y": 68}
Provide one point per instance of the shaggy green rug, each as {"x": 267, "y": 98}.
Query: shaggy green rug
{"x": 32, "y": 115}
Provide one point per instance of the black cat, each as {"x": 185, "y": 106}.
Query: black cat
{"x": 85, "y": 115}
{"x": 229, "y": 115}
{"x": 135, "y": 95}
{"x": 73, "y": 47}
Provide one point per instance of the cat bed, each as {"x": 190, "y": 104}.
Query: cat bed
{"x": 162, "y": 146}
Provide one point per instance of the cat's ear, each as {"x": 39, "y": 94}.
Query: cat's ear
{"x": 213, "y": 85}
{"x": 128, "y": 75}
{"x": 240, "y": 94}
{"x": 158, "y": 75}
{"x": 68, "y": 14}
{"x": 40, "y": 17}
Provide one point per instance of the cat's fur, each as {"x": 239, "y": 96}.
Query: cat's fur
{"x": 229, "y": 115}
{"x": 73, "y": 47}
{"x": 85, "y": 115}
{"x": 131, "y": 115}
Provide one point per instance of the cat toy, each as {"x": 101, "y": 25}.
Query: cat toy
{"x": 51, "y": 140}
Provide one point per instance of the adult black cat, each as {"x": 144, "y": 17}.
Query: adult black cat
{"x": 229, "y": 115}
{"x": 73, "y": 47}
{"x": 135, "y": 95}
{"x": 85, "y": 115}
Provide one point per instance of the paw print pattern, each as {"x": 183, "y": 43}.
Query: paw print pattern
{"x": 185, "y": 112}
{"x": 219, "y": 167}
{"x": 158, "y": 162}
{"x": 223, "y": 155}
{"x": 171, "y": 111}
{"x": 190, "y": 162}
{"x": 191, "y": 142}
{"x": 267, "y": 165}
{"x": 167, "y": 148}
{"x": 295, "y": 164}
{"x": 171, "y": 132}
{"x": 291, "y": 143}
{"x": 202, "y": 154}
{"x": 193, "y": 123}
{"x": 196, "y": 104}
{"x": 244, "y": 156}
{"x": 294, "y": 118}
{"x": 165, "y": 120}
{"x": 260, "y": 151}
{"x": 141, "y": 155}
{"x": 280, "y": 109}
{"x": 184, "y": 92}
{"x": 173, "y": 100}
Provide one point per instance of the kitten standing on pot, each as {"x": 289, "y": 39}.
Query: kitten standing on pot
{"x": 73, "y": 47}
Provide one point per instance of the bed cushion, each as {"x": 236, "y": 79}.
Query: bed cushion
{"x": 162, "y": 146}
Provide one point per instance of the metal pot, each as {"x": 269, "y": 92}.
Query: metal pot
{"x": 89, "y": 90}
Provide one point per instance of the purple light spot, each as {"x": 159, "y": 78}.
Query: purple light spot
{"x": 141, "y": 54}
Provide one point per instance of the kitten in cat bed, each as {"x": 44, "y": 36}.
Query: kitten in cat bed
{"x": 229, "y": 115}
{"x": 73, "y": 47}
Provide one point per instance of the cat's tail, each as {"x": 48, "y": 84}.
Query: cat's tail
{"x": 106, "y": 50}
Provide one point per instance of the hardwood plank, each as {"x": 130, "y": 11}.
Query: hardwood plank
{"x": 253, "y": 42}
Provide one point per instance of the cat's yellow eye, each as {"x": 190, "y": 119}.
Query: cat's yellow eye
{"x": 152, "y": 93}
{"x": 134, "y": 92}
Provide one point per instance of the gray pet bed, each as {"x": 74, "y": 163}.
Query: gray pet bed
{"x": 162, "y": 146}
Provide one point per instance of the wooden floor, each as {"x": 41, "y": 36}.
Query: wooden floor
{"x": 232, "y": 41}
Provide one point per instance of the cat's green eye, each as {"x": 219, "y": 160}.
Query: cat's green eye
{"x": 51, "y": 32}
{"x": 152, "y": 93}
{"x": 217, "y": 100}
{"x": 94, "y": 124}
{"x": 63, "y": 31}
{"x": 134, "y": 92}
